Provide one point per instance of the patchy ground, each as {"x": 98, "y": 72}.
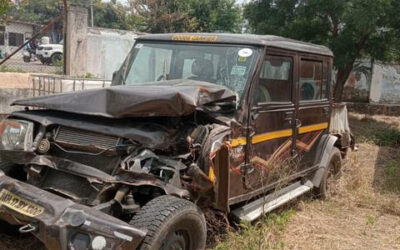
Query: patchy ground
{"x": 364, "y": 214}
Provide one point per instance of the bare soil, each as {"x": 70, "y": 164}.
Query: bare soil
{"x": 364, "y": 214}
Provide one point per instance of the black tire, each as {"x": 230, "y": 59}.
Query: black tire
{"x": 56, "y": 57}
{"x": 27, "y": 59}
{"x": 327, "y": 187}
{"x": 172, "y": 223}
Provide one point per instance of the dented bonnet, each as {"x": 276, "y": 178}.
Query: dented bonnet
{"x": 166, "y": 98}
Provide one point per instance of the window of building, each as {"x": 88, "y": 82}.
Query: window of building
{"x": 275, "y": 84}
{"x": 1, "y": 38}
{"x": 15, "y": 39}
{"x": 311, "y": 81}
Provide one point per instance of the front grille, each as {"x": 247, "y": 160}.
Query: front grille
{"x": 85, "y": 139}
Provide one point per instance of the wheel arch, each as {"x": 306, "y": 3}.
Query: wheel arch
{"x": 325, "y": 148}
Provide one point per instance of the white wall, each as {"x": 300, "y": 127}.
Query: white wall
{"x": 25, "y": 29}
{"x": 106, "y": 50}
{"x": 385, "y": 86}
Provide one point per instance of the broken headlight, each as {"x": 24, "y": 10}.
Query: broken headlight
{"x": 16, "y": 135}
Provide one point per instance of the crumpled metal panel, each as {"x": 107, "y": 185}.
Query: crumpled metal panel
{"x": 168, "y": 98}
{"x": 61, "y": 218}
{"x": 149, "y": 134}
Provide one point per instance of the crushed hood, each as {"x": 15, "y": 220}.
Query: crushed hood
{"x": 168, "y": 98}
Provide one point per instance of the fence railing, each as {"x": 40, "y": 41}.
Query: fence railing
{"x": 53, "y": 84}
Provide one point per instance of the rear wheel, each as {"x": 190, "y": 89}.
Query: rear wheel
{"x": 328, "y": 186}
{"x": 172, "y": 223}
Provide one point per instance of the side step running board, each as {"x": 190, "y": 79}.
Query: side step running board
{"x": 255, "y": 209}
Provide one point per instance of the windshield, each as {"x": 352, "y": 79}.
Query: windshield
{"x": 225, "y": 65}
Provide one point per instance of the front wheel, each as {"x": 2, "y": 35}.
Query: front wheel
{"x": 56, "y": 58}
{"x": 172, "y": 223}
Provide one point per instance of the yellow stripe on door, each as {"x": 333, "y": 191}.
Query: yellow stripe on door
{"x": 241, "y": 141}
{"x": 271, "y": 136}
{"x": 314, "y": 127}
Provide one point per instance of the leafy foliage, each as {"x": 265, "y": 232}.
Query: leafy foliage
{"x": 353, "y": 29}
{"x": 157, "y": 16}
{"x": 4, "y": 5}
{"x": 162, "y": 16}
{"x": 215, "y": 15}
{"x": 112, "y": 15}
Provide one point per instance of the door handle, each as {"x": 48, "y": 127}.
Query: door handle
{"x": 289, "y": 117}
{"x": 298, "y": 123}
{"x": 326, "y": 110}
{"x": 254, "y": 116}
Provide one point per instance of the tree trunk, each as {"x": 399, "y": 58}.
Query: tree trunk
{"x": 341, "y": 79}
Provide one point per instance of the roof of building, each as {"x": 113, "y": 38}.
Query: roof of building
{"x": 22, "y": 22}
{"x": 263, "y": 40}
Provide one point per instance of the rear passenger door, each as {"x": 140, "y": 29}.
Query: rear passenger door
{"x": 312, "y": 119}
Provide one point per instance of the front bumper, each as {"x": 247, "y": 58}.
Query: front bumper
{"x": 62, "y": 220}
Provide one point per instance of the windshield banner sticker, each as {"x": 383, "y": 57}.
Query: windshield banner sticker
{"x": 238, "y": 70}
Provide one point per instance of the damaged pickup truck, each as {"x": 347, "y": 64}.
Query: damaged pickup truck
{"x": 236, "y": 123}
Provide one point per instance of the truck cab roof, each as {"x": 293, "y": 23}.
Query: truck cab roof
{"x": 250, "y": 39}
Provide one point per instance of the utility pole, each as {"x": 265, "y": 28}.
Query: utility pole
{"x": 65, "y": 36}
{"x": 91, "y": 14}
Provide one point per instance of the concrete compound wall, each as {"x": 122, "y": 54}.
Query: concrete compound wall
{"x": 385, "y": 87}
{"x": 106, "y": 50}
{"x": 357, "y": 88}
{"x": 13, "y": 86}
{"x": 97, "y": 51}
{"x": 377, "y": 84}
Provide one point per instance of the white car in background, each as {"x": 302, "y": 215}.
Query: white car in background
{"x": 50, "y": 54}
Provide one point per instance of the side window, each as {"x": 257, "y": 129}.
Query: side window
{"x": 312, "y": 83}
{"x": 275, "y": 83}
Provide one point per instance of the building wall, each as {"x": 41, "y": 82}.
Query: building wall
{"x": 13, "y": 27}
{"x": 385, "y": 86}
{"x": 96, "y": 51}
{"x": 358, "y": 85}
{"x": 106, "y": 50}
{"x": 377, "y": 84}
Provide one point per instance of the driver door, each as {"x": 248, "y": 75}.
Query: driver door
{"x": 272, "y": 123}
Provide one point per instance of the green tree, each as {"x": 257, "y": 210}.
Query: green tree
{"x": 112, "y": 15}
{"x": 162, "y": 16}
{"x": 4, "y": 6}
{"x": 106, "y": 15}
{"x": 353, "y": 29}
{"x": 215, "y": 15}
